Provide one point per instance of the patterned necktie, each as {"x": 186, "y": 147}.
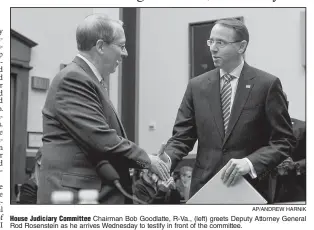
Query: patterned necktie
{"x": 104, "y": 84}
{"x": 225, "y": 96}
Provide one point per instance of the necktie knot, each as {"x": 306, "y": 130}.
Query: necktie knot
{"x": 227, "y": 78}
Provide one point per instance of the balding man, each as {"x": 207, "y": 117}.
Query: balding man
{"x": 80, "y": 125}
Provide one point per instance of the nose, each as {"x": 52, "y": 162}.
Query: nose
{"x": 213, "y": 48}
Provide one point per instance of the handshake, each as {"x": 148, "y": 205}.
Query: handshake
{"x": 160, "y": 165}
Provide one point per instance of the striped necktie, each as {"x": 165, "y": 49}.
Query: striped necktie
{"x": 225, "y": 96}
{"x": 105, "y": 86}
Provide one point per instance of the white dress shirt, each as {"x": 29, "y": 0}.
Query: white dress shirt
{"x": 234, "y": 84}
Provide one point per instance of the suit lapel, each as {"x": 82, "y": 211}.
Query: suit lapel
{"x": 212, "y": 90}
{"x": 90, "y": 73}
{"x": 245, "y": 85}
{"x": 114, "y": 111}
{"x": 80, "y": 62}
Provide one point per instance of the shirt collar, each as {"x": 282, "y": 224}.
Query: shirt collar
{"x": 91, "y": 65}
{"x": 236, "y": 72}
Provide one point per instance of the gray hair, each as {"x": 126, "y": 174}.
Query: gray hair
{"x": 95, "y": 27}
{"x": 241, "y": 31}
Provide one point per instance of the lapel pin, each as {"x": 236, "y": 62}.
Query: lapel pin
{"x": 248, "y": 86}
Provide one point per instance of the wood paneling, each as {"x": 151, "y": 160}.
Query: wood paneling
{"x": 19, "y": 79}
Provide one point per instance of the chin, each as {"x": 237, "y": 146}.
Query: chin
{"x": 113, "y": 70}
{"x": 217, "y": 63}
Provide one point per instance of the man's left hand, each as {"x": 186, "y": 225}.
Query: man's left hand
{"x": 233, "y": 170}
{"x": 159, "y": 167}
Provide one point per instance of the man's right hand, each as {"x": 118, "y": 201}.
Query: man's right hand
{"x": 159, "y": 167}
{"x": 164, "y": 156}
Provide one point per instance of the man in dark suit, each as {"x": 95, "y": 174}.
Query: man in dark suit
{"x": 299, "y": 158}
{"x": 290, "y": 177}
{"x": 237, "y": 113}
{"x": 299, "y": 154}
{"x": 81, "y": 128}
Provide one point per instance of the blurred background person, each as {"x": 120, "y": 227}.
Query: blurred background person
{"x": 183, "y": 183}
{"x": 291, "y": 174}
{"x": 28, "y": 190}
{"x": 152, "y": 190}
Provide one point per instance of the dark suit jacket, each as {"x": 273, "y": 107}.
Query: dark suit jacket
{"x": 299, "y": 131}
{"x": 81, "y": 129}
{"x": 259, "y": 127}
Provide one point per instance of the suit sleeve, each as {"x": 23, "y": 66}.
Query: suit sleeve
{"x": 79, "y": 110}
{"x": 282, "y": 141}
{"x": 184, "y": 131}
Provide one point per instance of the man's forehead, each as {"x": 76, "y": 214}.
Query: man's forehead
{"x": 120, "y": 35}
{"x": 120, "y": 40}
{"x": 221, "y": 30}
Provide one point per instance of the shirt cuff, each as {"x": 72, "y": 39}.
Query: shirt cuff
{"x": 252, "y": 170}
{"x": 169, "y": 163}
{"x": 169, "y": 159}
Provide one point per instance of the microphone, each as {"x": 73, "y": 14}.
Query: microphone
{"x": 108, "y": 173}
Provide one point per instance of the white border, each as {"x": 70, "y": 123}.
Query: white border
{"x": 187, "y": 210}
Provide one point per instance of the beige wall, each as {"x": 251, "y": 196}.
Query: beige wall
{"x": 163, "y": 74}
{"x": 275, "y": 47}
{"x": 54, "y": 31}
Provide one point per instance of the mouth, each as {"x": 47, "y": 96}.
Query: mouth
{"x": 118, "y": 62}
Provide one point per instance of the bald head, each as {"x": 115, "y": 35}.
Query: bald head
{"x": 95, "y": 27}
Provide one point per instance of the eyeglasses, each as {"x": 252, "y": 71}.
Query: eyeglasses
{"x": 122, "y": 47}
{"x": 219, "y": 43}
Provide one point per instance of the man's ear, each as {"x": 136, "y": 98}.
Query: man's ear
{"x": 243, "y": 46}
{"x": 100, "y": 44}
